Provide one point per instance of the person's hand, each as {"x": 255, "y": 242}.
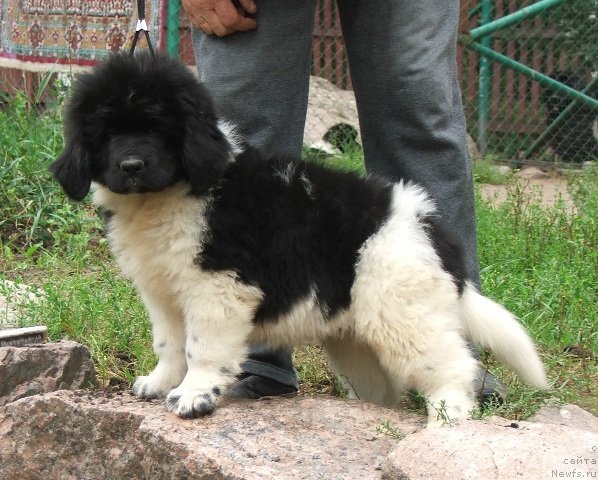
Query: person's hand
{"x": 221, "y": 17}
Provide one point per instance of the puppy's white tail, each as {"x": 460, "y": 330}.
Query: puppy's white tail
{"x": 491, "y": 326}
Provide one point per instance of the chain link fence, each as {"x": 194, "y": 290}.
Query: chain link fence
{"x": 513, "y": 111}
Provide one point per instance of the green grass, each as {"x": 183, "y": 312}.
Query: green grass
{"x": 350, "y": 161}
{"x": 486, "y": 171}
{"x": 33, "y": 210}
{"x": 540, "y": 262}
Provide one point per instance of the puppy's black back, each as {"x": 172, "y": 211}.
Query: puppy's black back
{"x": 290, "y": 227}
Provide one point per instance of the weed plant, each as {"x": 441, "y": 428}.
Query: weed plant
{"x": 540, "y": 262}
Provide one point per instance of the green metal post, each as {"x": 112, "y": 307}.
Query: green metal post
{"x": 484, "y": 82}
{"x": 172, "y": 27}
{"x": 489, "y": 28}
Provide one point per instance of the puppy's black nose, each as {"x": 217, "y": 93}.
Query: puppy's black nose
{"x": 132, "y": 165}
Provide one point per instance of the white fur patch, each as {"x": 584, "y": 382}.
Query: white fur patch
{"x": 286, "y": 173}
{"x": 201, "y": 320}
{"x": 233, "y": 137}
{"x": 307, "y": 185}
{"x": 406, "y": 307}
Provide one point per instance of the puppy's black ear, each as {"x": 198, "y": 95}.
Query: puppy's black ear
{"x": 206, "y": 152}
{"x": 73, "y": 171}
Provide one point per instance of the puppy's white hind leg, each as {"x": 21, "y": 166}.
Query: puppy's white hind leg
{"x": 442, "y": 372}
{"x": 420, "y": 347}
{"x": 444, "y": 375}
{"x": 169, "y": 346}
{"x": 358, "y": 369}
{"x": 448, "y": 405}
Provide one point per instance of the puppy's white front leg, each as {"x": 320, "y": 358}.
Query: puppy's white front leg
{"x": 218, "y": 326}
{"x": 169, "y": 345}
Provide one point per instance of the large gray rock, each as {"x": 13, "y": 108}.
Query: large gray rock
{"x": 34, "y": 369}
{"x": 570, "y": 416}
{"x": 328, "y": 106}
{"x": 496, "y": 449}
{"x": 85, "y": 436}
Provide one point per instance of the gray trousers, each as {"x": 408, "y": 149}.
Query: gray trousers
{"x": 402, "y": 60}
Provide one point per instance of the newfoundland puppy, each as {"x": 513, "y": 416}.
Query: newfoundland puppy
{"x": 228, "y": 247}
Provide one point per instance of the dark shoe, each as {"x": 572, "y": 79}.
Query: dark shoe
{"x": 489, "y": 390}
{"x": 254, "y": 386}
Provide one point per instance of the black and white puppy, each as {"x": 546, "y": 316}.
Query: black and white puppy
{"x": 229, "y": 247}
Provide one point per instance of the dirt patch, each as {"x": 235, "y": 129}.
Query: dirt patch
{"x": 547, "y": 191}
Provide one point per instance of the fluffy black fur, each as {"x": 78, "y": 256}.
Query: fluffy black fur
{"x": 290, "y": 226}
{"x": 140, "y": 125}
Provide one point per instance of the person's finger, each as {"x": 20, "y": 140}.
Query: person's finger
{"x": 249, "y": 6}
{"x": 231, "y": 18}
{"x": 195, "y": 12}
{"x": 208, "y": 22}
{"x": 198, "y": 18}
{"x": 219, "y": 29}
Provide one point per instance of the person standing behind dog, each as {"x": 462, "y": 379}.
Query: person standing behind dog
{"x": 255, "y": 58}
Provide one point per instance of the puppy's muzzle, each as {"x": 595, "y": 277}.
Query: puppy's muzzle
{"x": 132, "y": 165}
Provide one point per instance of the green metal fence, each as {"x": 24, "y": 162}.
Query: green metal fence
{"x": 534, "y": 98}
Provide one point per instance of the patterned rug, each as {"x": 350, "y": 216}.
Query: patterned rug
{"x": 40, "y": 35}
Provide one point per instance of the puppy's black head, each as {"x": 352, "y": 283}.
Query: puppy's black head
{"x": 140, "y": 124}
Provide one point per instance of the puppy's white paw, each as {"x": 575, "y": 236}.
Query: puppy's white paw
{"x": 154, "y": 386}
{"x": 192, "y": 403}
{"x": 449, "y": 408}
